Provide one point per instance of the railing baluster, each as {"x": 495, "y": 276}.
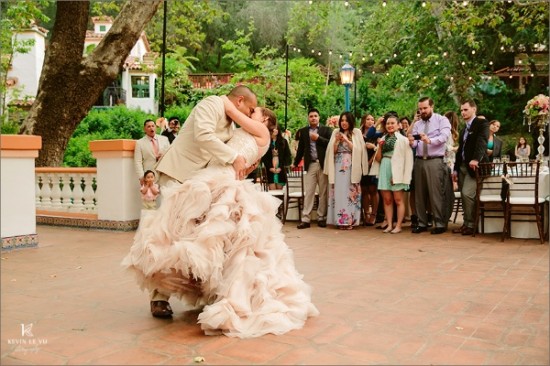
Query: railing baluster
{"x": 66, "y": 193}
{"x": 38, "y": 191}
{"x": 78, "y": 193}
{"x": 46, "y": 192}
{"x": 89, "y": 194}
{"x": 56, "y": 191}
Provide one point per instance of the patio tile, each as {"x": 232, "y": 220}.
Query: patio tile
{"x": 383, "y": 300}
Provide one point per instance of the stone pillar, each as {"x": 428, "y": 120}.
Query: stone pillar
{"x": 18, "y": 199}
{"x": 118, "y": 197}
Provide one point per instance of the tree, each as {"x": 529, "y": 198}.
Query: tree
{"x": 70, "y": 83}
{"x": 17, "y": 16}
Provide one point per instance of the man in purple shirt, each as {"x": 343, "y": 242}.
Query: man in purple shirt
{"x": 429, "y": 136}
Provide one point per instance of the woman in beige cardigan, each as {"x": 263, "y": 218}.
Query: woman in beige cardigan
{"x": 346, "y": 162}
{"x": 396, "y": 163}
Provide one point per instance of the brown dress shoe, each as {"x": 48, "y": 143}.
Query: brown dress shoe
{"x": 468, "y": 231}
{"x": 459, "y": 230}
{"x": 161, "y": 309}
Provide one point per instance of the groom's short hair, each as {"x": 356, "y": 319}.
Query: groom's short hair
{"x": 242, "y": 90}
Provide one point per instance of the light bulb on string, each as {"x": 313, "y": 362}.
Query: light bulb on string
{"x": 423, "y": 4}
{"x": 340, "y": 56}
{"x": 370, "y": 54}
{"x": 386, "y": 61}
{"x": 473, "y": 52}
{"x": 310, "y": 2}
{"x": 312, "y": 51}
{"x": 319, "y": 53}
{"x": 463, "y": 63}
{"x": 451, "y": 78}
{"x": 350, "y": 54}
{"x": 330, "y": 52}
{"x": 373, "y": 72}
{"x": 394, "y": 55}
{"x": 418, "y": 54}
{"x": 299, "y": 50}
{"x": 435, "y": 77}
{"x": 491, "y": 63}
{"x": 520, "y": 62}
{"x": 445, "y": 54}
{"x": 437, "y": 62}
{"x": 363, "y": 59}
{"x": 464, "y": 3}
{"x": 502, "y": 48}
{"x": 410, "y": 62}
{"x": 532, "y": 75}
{"x": 346, "y": 3}
{"x": 387, "y": 74}
{"x": 469, "y": 78}
{"x": 384, "y": 3}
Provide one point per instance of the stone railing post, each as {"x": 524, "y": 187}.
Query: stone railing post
{"x": 18, "y": 199}
{"x": 117, "y": 193}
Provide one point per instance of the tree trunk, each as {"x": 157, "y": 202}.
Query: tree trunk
{"x": 70, "y": 84}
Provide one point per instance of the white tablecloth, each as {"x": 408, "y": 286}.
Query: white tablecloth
{"x": 524, "y": 230}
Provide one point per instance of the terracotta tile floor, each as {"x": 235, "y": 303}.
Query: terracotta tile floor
{"x": 384, "y": 299}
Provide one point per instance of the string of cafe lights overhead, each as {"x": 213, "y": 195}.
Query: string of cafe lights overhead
{"x": 387, "y": 59}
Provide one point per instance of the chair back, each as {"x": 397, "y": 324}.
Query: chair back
{"x": 523, "y": 177}
{"x": 295, "y": 181}
{"x": 263, "y": 177}
{"x": 489, "y": 180}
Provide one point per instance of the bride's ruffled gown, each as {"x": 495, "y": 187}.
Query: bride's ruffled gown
{"x": 216, "y": 241}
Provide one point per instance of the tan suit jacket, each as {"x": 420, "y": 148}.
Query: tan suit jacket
{"x": 201, "y": 140}
{"x": 144, "y": 156}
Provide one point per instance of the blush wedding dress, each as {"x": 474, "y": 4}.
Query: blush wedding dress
{"x": 215, "y": 242}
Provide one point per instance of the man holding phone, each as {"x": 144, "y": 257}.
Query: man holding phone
{"x": 429, "y": 136}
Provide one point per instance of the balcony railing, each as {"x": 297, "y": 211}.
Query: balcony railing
{"x": 66, "y": 190}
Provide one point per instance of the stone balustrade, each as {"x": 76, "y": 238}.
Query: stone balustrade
{"x": 66, "y": 191}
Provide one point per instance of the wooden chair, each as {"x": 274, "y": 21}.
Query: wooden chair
{"x": 279, "y": 193}
{"x": 522, "y": 198}
{"x": 457, "y": 205}
{"x": 294, "y": 191}
{"x": 490, "y": 193}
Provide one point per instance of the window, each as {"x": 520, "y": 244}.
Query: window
{"x": 140, "y": 86}
{"x": 102, "y": 28}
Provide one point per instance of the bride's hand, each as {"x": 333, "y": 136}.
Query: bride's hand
{"x": 228, "y": 106}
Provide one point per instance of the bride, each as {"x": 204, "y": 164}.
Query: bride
{"x": 216, "y": 243}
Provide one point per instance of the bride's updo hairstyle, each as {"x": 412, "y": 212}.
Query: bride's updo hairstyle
{"x": 271, "y": 118}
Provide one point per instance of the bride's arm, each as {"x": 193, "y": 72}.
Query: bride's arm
{"x": 255, "y": 128}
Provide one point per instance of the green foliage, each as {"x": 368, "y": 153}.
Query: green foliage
{"x": 16, "y": 17}
{"x": 103, "y": 124}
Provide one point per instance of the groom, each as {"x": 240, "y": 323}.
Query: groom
{"x": 202, "y": 139}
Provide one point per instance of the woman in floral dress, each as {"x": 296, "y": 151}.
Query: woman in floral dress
{"x": 346, "y": 162}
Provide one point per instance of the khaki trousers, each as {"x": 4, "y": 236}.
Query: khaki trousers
{"x": 315, "y": 177}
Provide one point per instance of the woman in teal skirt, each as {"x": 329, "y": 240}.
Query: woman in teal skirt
{"x": 396, "y": 162}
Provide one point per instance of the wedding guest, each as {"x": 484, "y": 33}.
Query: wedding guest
{"x": 346, "y": 161}
{"x": 523, "y": 150}
{"x": 396, "y": 164}
{"x": 494, "y": 144}
{"x": 369, "y": 181}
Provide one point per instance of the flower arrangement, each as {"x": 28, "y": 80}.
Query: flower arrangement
{"x": 332, "y": 121}
{"x": 537, "y": 106}
{"x": 536, "y": 111}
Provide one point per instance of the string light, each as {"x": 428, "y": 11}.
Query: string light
{"x": 346, "y": 3}
{"x": 363, "y": 59}
{"x": 384, "y": 3}
{"x": 370, "y": 54}
{"x": 310, "y": 2}
{"x": 418, "y": 54}
{"x": 423, "y": 4}
{"x": 532, "y": 75}
{"x": 473, "y": 52}
{"x": 319, "y": 53}
{"x": 445, "y": 54}
{"x": 520, "y": 62}
{"x": 502, "y": 48}
{"x": 464, "y": 3}
{"x": 463, "y": 63}
{"x": 437, "y": 62}
{"x": 491, "y": 63}
{"x": 312, "y": 51}
{"x": 330, "y": 52}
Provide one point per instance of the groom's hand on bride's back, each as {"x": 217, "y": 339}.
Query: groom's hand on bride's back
{"x": 240, "y": 167}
